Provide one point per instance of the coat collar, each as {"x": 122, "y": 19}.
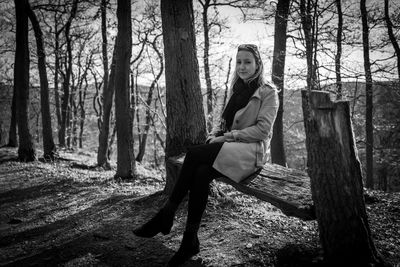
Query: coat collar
{"x": 257, "y": 93}
{"x": 261, "y": 91}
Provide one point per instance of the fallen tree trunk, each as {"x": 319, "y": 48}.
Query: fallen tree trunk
{"x": 285, "y": 188}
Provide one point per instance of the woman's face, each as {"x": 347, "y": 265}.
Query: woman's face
{"x": 245, "y": 64}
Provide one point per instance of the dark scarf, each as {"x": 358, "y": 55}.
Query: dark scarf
{"x": 239, "y": 99}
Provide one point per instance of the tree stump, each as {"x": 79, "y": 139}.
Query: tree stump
{"x": 336, "y": 182}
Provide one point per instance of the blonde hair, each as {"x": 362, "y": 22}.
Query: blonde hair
{"x": 259, "y": 74}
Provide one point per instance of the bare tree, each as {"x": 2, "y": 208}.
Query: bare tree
{"x": 126, "y": 167}
{"x": 26, "y": 150}
{"x": 308, "y": 22}
{"x": 107, "y": 95}
{"x": 392, "y": 37}
{"x": 148, "y": 118}
{"x": 49, "y": 148}
{"x": 185, "y": 121}
{"x": 57, "y": 33}
{"x": 104, "y": 46}
{"x": 369, "y": 143}
{"x": 65, "y": 109}
{"x": 213, "y": 25}
{"x": 12, "y": 134}
{"x": 206, "y": 4}
{"x": 338, "y": 55}
{"x": 278, "y": 73}
{"x": 81, "y": 87}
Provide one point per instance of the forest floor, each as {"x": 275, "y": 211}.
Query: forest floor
{"x": 65, "y": 213}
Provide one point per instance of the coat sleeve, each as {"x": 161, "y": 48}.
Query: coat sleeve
{"x": 262, "y": 129}
{"x": 218, "y": 130}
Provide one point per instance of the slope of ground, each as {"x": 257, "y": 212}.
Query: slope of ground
{"x": 65, "y": 214}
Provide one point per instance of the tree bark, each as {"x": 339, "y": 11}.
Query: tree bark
{"x": 126, "y": 167}
{"x": 392, "y": 37}
{"x": 82, "y": 99}
{"x": 105, "y": 42}
{"x": 206, "y": 56}
{"x": 225, "y": 98}
{"x": 369, "y": 142}
{"x": 309, "y": 36}
{"x": 108, "y": 94}
{"x": 49, "y": 148}
{"x": 336, "y": 182}
{"x": 56, "y": 71}
{"x": 26, "y": 150}
{"x": 278, "y": 73}
{"x": 185, "y": 115}
{"x": 12, "y": 136}
{"x": 338, "y": 55}
{"x": 65, "y": 109}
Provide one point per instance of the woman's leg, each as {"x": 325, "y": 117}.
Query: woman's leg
{"x": 163, "y": 220}
{"x": 196, "y": 156}
{"x": 198, "y": 195}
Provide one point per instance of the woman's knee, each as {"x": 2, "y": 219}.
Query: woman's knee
{"x": 204, "y": 175}
{"x": 202, "y": 154}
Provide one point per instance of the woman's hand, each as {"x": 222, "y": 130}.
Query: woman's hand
{"x": 218, "y": 139}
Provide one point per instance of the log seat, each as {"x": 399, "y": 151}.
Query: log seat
{"x": 285, "y": 188}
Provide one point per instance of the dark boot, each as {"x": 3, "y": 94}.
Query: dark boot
{"x": 190, "y": 246}
{"x": 161, "y": 223}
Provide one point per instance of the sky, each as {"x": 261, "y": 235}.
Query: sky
{"x": 262, "y": 34}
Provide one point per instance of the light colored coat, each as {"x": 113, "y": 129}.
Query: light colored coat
{"x": 246, "y": 146}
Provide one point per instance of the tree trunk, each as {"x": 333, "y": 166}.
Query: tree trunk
{"x": 336, "y": 182}
{"x": 339, "y": 50}
{"x": 309, "y": 36}
{"x": 26, "y": 150}
{"x": 65, "y": 109}
{"x": 108, "y": 94}
{"x": 49, "y": 148}
{"x": 278, "y": 73}
{"x": 56, "y": 70}
{"x": 12, "y": 136}
{"x": 369, "y": 142}
{"x": 82, "y": 117}
{"x": 105, "y": 42}
{"x": 143, "y": 136}
{"x": 126, "y": 167}
{"x": 74, "y": 117}
{"x": 228, "y": 74}
{"x": 148, "y": 119}
{"x": 207, "y": 66}
{"x": 392, "y": 37}
{"x": 186, "y": 124}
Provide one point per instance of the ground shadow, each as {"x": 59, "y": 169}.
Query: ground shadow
{"x": 108, "y": 242}
{"x": 298, "y": 255}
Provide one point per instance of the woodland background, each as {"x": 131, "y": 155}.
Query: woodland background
{"x": 77, "y": 59}
{"x": 75, "y": 75}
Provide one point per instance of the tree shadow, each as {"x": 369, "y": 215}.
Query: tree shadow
{"x": 298, "y": 255}
{"x": 21, "y": 194}
{"x": 8, "y": 158}
{"x": 83, "y": 166}
{"x": 108, "y": 240}
{"x": 107, "y": 252}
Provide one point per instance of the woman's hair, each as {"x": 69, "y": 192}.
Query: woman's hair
{"x": 259, "y": 74}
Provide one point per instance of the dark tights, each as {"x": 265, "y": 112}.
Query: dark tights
{"x": 195, "y": 177}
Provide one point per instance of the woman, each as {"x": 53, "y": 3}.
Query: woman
{"x": 235, "y": 150}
